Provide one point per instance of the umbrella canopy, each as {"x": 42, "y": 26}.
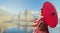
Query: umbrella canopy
{"x": 50, "y": 14}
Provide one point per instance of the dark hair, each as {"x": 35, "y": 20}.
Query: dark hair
{"x": 42, "y": 11}
{"x": 43, "y": 26}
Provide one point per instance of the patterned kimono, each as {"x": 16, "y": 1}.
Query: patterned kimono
{"x": 40, "y": 26}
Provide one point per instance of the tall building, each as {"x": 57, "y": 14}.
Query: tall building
{"x": 26, "y": 19}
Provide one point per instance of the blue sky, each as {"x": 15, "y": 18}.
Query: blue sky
{"x": 16, "y": 6}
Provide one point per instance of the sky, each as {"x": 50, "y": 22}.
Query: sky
{"x": 16, "y": 6}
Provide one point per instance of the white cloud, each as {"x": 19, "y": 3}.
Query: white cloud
{"x": 58, "y": 11}
{"x": 4, "y": 9}
{"x": 35, "y": 12}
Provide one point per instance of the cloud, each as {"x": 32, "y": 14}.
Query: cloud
{"x": 58, "y": 15}
{"x": 35, "y": 12}
{"x": 4, "y": 10}
{"x": 58, "y": 12}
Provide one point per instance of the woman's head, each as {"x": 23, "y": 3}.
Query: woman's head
{"x": 41, "y": 12}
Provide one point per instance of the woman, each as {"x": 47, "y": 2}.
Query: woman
{"x": 40, "y": 26}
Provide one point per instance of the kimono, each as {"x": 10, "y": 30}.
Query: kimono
{"x": 40, "y": 26}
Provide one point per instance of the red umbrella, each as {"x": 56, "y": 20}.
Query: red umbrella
{"x": 50, "y": 14}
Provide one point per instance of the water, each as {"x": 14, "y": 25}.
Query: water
{"x": 16, "y": 30}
